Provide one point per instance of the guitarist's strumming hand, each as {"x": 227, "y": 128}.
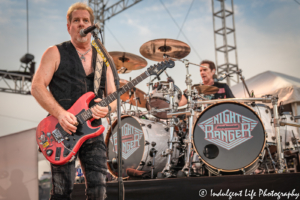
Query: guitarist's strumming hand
{"x": 67, "y": 121}
{"x": 98, "y": 111}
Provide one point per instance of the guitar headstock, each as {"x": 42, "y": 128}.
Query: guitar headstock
{"x": 158, "y": 68}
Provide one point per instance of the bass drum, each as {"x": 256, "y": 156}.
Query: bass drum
{"x": 139, "y": 137}
{"x": 229, "y": 138}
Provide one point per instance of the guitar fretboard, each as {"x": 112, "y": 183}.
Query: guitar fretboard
{"x": 106, "y": 101}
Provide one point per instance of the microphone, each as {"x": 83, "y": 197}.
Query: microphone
{"x": 84, "y": 32}
{"x": 221, "y": 78}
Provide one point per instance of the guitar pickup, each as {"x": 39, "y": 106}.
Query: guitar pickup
{"x": 57, "y": 136}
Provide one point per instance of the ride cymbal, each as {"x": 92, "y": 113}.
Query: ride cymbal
{"x": 156, "y": 49}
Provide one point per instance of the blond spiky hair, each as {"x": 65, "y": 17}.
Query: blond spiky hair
{"x": 79, "y": 6}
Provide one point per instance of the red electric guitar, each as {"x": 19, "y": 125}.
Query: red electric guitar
{"x": 58, "y": 146}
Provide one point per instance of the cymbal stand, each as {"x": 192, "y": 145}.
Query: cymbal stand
{"x": 188, "y": 143}
{"x": 281, "y": 160}
{"x": 243, "y": 80}
{"x": 136, "y": 105}
{"x": 167, "y": 169}
{"x": 148, "y": 96}
{"x": 271, "y": 158}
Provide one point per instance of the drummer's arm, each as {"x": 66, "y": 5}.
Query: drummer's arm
{"x": 182, "y": 101}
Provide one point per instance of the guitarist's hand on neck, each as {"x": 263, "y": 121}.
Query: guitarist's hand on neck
{"x": 98, "y": 111}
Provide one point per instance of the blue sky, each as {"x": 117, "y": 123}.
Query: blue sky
{"x": 267, "y": 33}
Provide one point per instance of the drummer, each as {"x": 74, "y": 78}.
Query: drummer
{"x": 207, "y": 73}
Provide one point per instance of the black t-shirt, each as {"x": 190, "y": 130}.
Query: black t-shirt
{"x": 224, "y": 91}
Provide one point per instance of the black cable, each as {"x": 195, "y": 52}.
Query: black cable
{"x": 185, "y": 19}
{"x": 297, "y": 2}
{"x": 179, "y": 29}
{"x": 115, "y": 38}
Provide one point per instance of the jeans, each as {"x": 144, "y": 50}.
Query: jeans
{"x": 92, "y": 156}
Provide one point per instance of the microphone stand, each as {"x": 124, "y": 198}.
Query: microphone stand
{"x": 119, "y": 139}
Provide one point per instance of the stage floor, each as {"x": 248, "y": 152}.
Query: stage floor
{"x": 266, "y": 186}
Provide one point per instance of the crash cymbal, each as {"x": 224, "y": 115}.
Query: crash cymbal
{"x": 156, "y": 49}
{"x": 205, "y": 89}
{"x": 139, "y": 94}
{"x": 128, "y": 60}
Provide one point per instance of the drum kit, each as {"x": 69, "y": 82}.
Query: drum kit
{"x": 207, "y": 137}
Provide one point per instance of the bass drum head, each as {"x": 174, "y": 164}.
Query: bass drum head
{"x": 133, "y": 145}
{"x": 229, "y": 137}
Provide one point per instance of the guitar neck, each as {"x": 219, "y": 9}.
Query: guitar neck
{"x": 123, "y": 89}
{"x": 106, "y": 101}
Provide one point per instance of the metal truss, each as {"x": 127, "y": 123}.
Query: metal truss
{"x": 15, "y": 82}
{"x": 102, "y": 13}
{"x": 226, "y": 36}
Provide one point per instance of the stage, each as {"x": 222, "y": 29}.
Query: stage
{"x": 266, "y": 186}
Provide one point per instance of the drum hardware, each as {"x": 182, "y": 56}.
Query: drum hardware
{"x": 172, "y": 114}
{"x": 295, "y": 141}
{"x": 281, "y": 160}
{"x": 283, "y": 123}
{"x": 153, "y": 152}
{"x": 156, "y": 49}
{"x": 173, "y": 139}
{"x": 187, "y": 169}
{"x": 123, "y": 70}
{"x": 239, "y": 72}
{"x": 243, "y": 171}
{"x": 264, "y": 100}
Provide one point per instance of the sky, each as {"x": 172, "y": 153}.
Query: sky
{"x": 267, "y": 38}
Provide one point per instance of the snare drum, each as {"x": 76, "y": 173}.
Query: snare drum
{"x": 229, "y": 137}
{"x": 138, "y": 138}
{"x": 160, "y": 98}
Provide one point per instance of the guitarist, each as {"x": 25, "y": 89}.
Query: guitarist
{"x": 68, "y": 70}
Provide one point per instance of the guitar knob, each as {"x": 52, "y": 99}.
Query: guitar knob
{"x": 67, "y": 138}
{"x": 49, "y": 152}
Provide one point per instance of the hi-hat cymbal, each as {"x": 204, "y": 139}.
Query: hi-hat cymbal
{"x": 128, "y": 60}
{"x": 205, "y": 89}
{"x": 156, "y": 49}
{"x": 138, "y": 93}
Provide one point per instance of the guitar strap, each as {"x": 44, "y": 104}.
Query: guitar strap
{"x": 98, "y": 68}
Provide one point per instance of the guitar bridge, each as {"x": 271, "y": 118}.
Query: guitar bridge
{"x": 57, "y": 136}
